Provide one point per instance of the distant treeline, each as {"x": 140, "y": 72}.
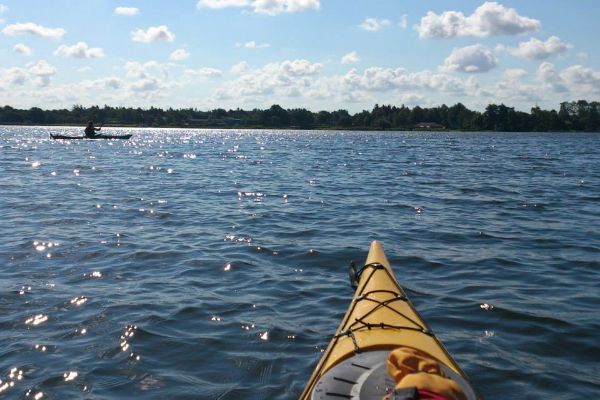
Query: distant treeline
{"x": 572, "y": 116}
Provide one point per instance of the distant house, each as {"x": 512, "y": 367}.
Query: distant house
{"x": 429, "y": 126}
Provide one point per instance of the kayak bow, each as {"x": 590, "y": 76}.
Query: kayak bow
{"x": 380, "y": 318}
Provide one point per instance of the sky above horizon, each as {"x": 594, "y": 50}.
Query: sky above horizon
{"x": 314, "y": 54}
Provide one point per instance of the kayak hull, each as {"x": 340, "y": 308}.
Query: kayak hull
{"x": 380, "y": 317}
{"x": 65, "y": 137}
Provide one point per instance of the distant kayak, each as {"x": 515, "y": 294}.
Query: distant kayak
{"x": 125, "y": 137}
{"x": 380, "y": 319}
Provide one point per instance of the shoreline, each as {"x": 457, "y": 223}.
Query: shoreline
{"x": 291, "y": 128}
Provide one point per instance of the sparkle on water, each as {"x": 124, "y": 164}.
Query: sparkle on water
{"x": 213, "y": 263}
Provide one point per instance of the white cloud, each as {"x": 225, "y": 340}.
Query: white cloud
{"x": 179, "y": 55}
{"x": 475, "y": 58}
{"x": 145, "y": 85}
{"x": 403, "y": 21}
{"x": 14, "y": 76}
{"x": 22, "y": 49}
{"x": 509, "y": 91}
{"x": 33, "y": 29}
{"x": 144, "y": 70}
{"x": 513, "y": 88}
{"x": 374, "y": 24}
{"x": 535, "y": 49}
{"x": 153, "y": 34}
{"x": 287, "y": 78}
{"x": 42, "y": 71}
{"x": 383, "y": 79}
{"x": 110, "y": 83}
{"x": 581, "y": 82}
{"x": 204, "y": 72}
{"x": 547, "y": 74}
{"x": 269, "y": 7}
{"x": 127, "y": 11}
{"x": 515, "y": 74}
{"x": 273, "y": 7}
{"x": 582, "y": 77}
{"x": 489, "y": 19}
{"x": 240, "y": 67}
{"x": 299, "y": 67}
{"x": 253, "y": 45}
{"x": 350, "y": 58}
{"x": 38, "y": 73}
{"x": 79, "y": 50}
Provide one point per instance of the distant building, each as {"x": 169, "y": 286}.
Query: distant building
{"x": 429, "y": 125}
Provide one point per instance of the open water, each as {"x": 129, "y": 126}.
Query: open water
{"x": 211, "y": 264}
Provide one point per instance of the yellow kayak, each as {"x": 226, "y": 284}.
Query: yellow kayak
{"x": 380, "y": 318}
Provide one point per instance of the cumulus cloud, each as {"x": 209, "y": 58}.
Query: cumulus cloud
{"x": 489, "y": 19}
{"x": 38, "y": 73}
{"x": 179, "y": 55}
{"x": 239, "y": 68}
{"x": 580, "y": 81}
{"x": 584, "y": 78}
{"x": 14, "y": 76}
{"x": 269, "y": 7}
{"x": 145, "y": 85}
{"x": 22, "y": 49}
{"x": 514, "y": 74}
{"x": 274, "y": 7}
{"x": 374, "y": 24}
{"x": 204, "y": 72}
{"x": 33, "y": 29}
{"x": 535, "y": 49}
{"x": 508, "y": 90}
{"x": 110, "y": 83}
{"x": 299, "y": 67}
{"x": 153, "y": 34}
{"x": 42, "y": 71}
{"x": 350, "y": 58}
{"x": 79, "y": 50}
{"x": 284, "y": 78}
{"x": 475, "y": 58}
{"x": 377, "y": 79}
{"x": 148, "y": 69}
{"x": 548, "y": 76}
{"x": 127, "y": 11}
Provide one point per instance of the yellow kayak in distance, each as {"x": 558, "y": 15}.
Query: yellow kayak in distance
{"x": 380, "y": 318}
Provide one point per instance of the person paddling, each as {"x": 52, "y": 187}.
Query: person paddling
{"x": 90, "y": 129}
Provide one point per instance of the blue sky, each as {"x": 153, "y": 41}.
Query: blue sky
{"x": 315, "y": 54}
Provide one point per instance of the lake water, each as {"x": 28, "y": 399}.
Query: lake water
{"x": 212, "y": 264}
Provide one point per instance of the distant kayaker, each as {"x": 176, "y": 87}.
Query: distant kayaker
{"x": 90, "y": 129}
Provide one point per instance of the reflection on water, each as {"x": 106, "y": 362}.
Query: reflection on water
{"x": 212, "y": 263}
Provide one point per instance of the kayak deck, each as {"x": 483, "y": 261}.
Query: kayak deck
{"x": 380, "y": 317}
{"x": 65, "y": 137}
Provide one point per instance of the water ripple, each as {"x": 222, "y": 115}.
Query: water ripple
{"x": 212, "y": 263}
